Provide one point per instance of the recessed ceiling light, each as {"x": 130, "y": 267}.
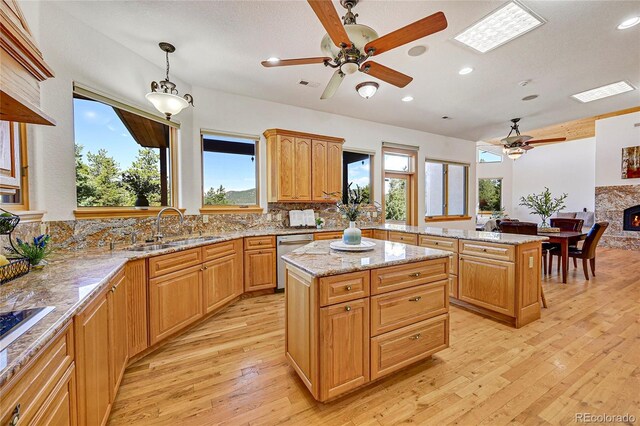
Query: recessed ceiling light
{"x": 273, "y": 60}
{"x": 603, "y": 91}
{"x": 417, "y": 50}
{"x": 631, "y": 22}
{"x": 407, "y": 99}
{"x": 530, "y": 97}
{"x": 465, "y": 71}
{"x": 500, "y": 26}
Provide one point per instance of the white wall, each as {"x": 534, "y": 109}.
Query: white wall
{"x": 502, "y": 170}
{"x": 78, "y": 53}
{"x": 567, "y": 167}
{"x": 613, "y": 134}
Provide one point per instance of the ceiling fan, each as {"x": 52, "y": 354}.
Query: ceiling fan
{"x": 348, "y": 45}
{"x": 516, "y": 145}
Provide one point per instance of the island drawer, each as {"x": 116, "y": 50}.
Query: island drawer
{"x": 266, "y": 241}
{"x": 403, "y": 237}
{"x": 488, "y": 250}
{"x": 219, "y": 250}
{"x": 167, "y": 263}
{"x": 30, "y": 388}
{"x": 440, "y": 243}
{"x": 392, "y": 278}
{"x": 345, "y": 287}
{"x": 332, "y": 235}
{"x": 380, "y": 234}
{"x": 367, "y": 233}
{"x": 390, "y": 311}
{"x": 396, "y": 349}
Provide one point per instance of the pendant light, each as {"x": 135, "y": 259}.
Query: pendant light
{"x": 164, "y": 95}
{"x": 367, "y": 89}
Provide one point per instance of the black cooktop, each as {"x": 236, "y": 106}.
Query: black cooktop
{"x": 15, "y": 323}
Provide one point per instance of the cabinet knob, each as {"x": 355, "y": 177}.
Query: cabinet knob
{"x": 484, "y": 250}
{"x": 113, "y": 289}
{"x": 347, "y": 308}
{"x": 415, "y": 337}
{"x": 415, "y": 274}
{"x": 415, "y": 299}
{"x": 205, "y": 268}
{"x": 348, "y": 288}
{"x": 15, "y": 416}
{"x": 437, "y": 243}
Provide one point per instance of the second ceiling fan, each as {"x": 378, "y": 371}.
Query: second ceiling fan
{"x": 349, "y": 45}
{"x": 516, "y": 145}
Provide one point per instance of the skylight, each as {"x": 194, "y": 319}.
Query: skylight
{"x": 499, "y": 27}
{"x": 603, "y": 91}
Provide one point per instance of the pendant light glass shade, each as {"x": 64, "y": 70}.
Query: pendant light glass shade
{"x": 167, "y": 103}
{"x": 367, "y": 89}
{"x": 515, "y": 153}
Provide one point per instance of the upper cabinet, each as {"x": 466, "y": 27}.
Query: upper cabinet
{"x": 22, "y": 68}
{"x": 303, "y": 167}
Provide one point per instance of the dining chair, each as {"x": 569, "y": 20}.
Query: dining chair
{"x": 566, "y": 224}
{"x": 528, "y": 228}
{"x": 588, "y": 250}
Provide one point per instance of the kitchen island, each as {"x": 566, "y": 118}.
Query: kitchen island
{"x": 352, "y": 318}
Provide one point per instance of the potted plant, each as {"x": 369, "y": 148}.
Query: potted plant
{"x": 319, "y": 222}
{"x": 352, "y": 211}
{"x": 36, "y": 252}
{"x": 543, "y": 205}
{"x": 141, "y": 186}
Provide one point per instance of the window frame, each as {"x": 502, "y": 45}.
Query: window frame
{"x": 130, "y": 211}
{"x": 445, "y": 217}
{"x": 490, "y": 152}
{"x": 230, "y": 208}
{"x": 411, "y": 174}
{"x": 371, "y": 155}
{"x": 501, "y": 179}
{"x": 22, "y": 208}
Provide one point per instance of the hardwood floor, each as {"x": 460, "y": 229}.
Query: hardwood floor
{"x": 583, "y": 356}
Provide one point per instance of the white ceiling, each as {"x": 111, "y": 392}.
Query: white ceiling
{"x": 220, "y": 45}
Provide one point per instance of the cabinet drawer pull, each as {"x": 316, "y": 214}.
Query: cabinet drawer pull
{"x": 484, "y": 250}
{"x": 415, "y": 275}
{"x": 113, "y": 289}
{"x": 437, "y": 243}
{"x": 347, "y": 308}
{"x": 205, "y": 267}
{"x": 415, "y": 299}
{"x": 415, "y": 337}
{"x": 348, "y": 288}
{"x": 15, "y": 416}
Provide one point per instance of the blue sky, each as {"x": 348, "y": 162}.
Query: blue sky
{"x": 359, "y": 173}
{"x": 234, "y": 172}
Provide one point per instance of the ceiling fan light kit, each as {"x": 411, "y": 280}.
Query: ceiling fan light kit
{"x": 518, "y": 144}
{"x": 348, "y": 46}
{"x": 164, "y": 95}
{"x": 367, "y": 89}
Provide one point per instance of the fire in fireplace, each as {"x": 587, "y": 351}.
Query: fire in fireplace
{"x": 632, "y": 219}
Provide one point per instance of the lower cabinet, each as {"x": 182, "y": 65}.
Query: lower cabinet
{"x": 487, "y": 283}
{"x": 380, "y": 234}
{"x": 60, "y": 407}
{"x": 175, "y": 301}
{"x": 222, "y": 279}
{"x": 260, "y": 269}
{"x": 118, "y": 342}
{"x": 344, "y": 348}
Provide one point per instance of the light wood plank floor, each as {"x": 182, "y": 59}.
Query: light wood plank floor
{"x": 582, "y": 356}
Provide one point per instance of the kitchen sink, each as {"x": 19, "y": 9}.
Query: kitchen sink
{"x": 149, "y": 247}
{"x": 195, "y": 240}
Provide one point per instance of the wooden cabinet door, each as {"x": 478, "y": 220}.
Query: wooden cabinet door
{"x": 60, "y": 408}
{"x": 302, "y": 165}
{"x": 487, "y": 283}
{"x": 222, "y": 281}
{"x": 319, "y": 171}
{"x": 118, "y": 342}
{"x": 93, "y": 362}
{"x": 137, "y": 315}
{"x": 334, "y": 169}
{"x": 260, "y": 269}
{"x": 344, "y": 347}
{"x": 175, "y": 301}
{"x": 286, "y": 149}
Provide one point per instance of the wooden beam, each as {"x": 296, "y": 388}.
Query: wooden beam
{"x": 572, "y": 130}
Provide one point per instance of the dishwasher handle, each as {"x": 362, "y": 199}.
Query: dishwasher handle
{"x": 292, "y": 242}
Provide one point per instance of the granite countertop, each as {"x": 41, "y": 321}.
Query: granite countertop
{"x": 72, "y": 278}
{"x": 319, "y": 260}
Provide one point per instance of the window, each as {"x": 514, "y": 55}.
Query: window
{"x": 13, "y": 166}
{"x": 489, "y": 195}
{"x": 357, "y": 172}
{"x": 485, "y": 156}
{"x": 229, "y": 173}
{"x": 400, "y": 194}
{"x": 446, "y": 189}
{"x": 123, "y": 159}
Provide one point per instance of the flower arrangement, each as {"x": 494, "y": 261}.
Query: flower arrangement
{"x": 543, "y": 205}
{"x": 36, "y": 252}
{"x": 352, "y": 209}
{"x": 141, "y": 186}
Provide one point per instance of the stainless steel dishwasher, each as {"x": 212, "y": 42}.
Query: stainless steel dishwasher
{"x": 287, "y": 244}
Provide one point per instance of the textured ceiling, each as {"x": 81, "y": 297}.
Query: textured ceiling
{"x": 221, "y": 43}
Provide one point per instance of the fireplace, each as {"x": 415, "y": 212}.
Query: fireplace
{"x": 632, "y": 219}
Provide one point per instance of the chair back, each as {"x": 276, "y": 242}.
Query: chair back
{"x": 593, "y": 237}
{"x": 523, "y": 228}
{"x": 566, "y": 224}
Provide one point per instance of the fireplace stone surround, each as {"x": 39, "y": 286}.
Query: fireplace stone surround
{"x": 612, "y": 203}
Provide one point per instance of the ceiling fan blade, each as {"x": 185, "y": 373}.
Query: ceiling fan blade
{"x": 385, "y": 74}
{"x": 333, "y": 85}
{"x": 548, "y": 140}
{"x": 330, "y": 20}
{"x": 422, "y": 28}
{"x": 527, "y": 147}
{"x": 299, "y": 61}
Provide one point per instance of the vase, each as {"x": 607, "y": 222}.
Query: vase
{"x": 40, "y": 265}
{"x": 142, "y": 203}
{"x": 352, "y": 235}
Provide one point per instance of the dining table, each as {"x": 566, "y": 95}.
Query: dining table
{"x": 564, "y": 239}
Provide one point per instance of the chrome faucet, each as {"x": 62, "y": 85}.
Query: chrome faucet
{"x": 159, "y": 236}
